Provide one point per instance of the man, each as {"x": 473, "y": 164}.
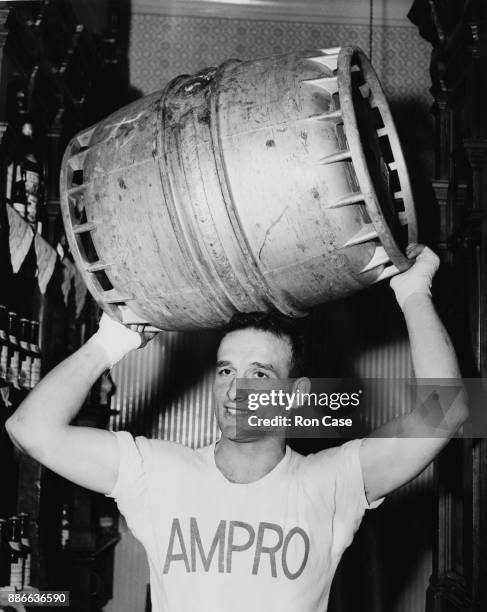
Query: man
{"x": 245, "y": 524}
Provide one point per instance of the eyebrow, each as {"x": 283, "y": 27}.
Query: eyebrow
{"x": 264, "y": 366}
{"x": 219, "y": 364}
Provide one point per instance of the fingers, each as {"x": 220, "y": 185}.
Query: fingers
{"x": 139, "y": 328}
{"x": 418, "y": 278}
{"x": 107, "y": 323}
{"x": 422, "y": 253}
{"x": 145, "y": 336}
{"x": 115, "y": 332}
{"x": 429, "y": 258}
{"x": 413, "y": 250}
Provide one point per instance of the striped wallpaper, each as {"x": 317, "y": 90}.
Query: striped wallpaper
{"x": 164, "y": 390}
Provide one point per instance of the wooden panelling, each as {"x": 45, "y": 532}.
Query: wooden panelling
{"x": 94, "y": 14}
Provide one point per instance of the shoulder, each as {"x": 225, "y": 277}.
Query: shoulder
{"x": 330, "y": 463}
{"x": 328, "y": 456}
{"x": 156, "y": 451}
{"x": 338, "y": 453}
{"x": 150, "y": 450}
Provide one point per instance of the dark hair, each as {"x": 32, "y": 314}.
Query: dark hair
{"x": 274, "y": 323}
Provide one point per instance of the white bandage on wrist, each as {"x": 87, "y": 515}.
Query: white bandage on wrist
{"x": 115, "y": 339}
{"x": 418, "y": 278}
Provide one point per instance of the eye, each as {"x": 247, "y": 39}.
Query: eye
{"x": 260, "y": 374}
{"x": 224, "y": 372}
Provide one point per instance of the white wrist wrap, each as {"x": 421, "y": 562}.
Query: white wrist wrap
{"x": 115, "y": 339}
{"x": 418, "y": 278}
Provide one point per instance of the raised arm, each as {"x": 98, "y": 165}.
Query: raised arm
{"x": 389, "y": 462}
{"x": 41, "y": 426}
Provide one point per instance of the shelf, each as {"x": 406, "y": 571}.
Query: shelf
{"x": 54, "y": 72}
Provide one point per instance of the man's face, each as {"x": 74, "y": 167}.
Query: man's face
{"x": 246, "y": 353}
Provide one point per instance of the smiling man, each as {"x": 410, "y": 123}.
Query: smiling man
{"x": 246, "y": 523}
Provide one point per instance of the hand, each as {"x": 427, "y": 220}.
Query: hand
{"x": 145, "y": 336}
{"x": 117, "y": 339}
{"x": 419, "y": 277}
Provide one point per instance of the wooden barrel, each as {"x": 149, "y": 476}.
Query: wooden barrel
{"x": 277, "y": 183}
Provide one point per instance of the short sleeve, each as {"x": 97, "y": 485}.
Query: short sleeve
{"x": 131, "y": 490}
{"x": 350, "y": 481}
{"x": 334, "y": 477}
{"x": 350, "y": 499}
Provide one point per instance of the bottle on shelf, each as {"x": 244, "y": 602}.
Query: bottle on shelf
{"x": 35, "y": 371}
{"x": 33, "y": 176}
{"x": 26, "y": 548}
{"x": 18, "y": 194}
{"x": 65, "y": 526}
{"x": 13, "y": 351}
{"x": 16, "y": 556}
{"x": 4, "y": 554}
{"x": 3, "y": 343}
{"x": 15, "y": 178}
{"x": 24, "y": 181}
{"x": 26, "y": 354}
{"x": 9, "y": 183}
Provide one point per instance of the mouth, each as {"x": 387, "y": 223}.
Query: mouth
{"x": 232, "y": 410}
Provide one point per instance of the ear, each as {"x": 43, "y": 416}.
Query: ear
{"x": 300, "y": 385}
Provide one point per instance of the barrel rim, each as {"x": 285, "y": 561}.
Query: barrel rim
{"x": 352, "y": 130}
{"x": 76, "y": 147}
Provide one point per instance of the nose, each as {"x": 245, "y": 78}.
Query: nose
{"x": 232, "y": 390}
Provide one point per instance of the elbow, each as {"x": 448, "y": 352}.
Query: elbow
{"x": 22, "y": 436}
{"x": 463, "y": 410}
{"x": 460, "y": 414}
{"x": 14, "y": 431}
{"x": 463, "y": 415}
{"x": 11, "y": 426}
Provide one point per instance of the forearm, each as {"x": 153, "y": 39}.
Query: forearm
{"x": 58, "y": 397}
{"x": 432, "y": 351}
{"x": 434, "y": 358}
{"x": 41, "y": 425}
{"x": 401, "y": 448}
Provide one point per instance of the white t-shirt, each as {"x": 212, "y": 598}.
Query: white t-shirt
{"x": 216, "y": 546}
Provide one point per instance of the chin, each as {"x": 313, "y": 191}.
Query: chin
{"x": 240, "y": 435}
{"x": 234, "y": 431}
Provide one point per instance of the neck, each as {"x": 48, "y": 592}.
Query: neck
{"x": 245, "y": 462}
